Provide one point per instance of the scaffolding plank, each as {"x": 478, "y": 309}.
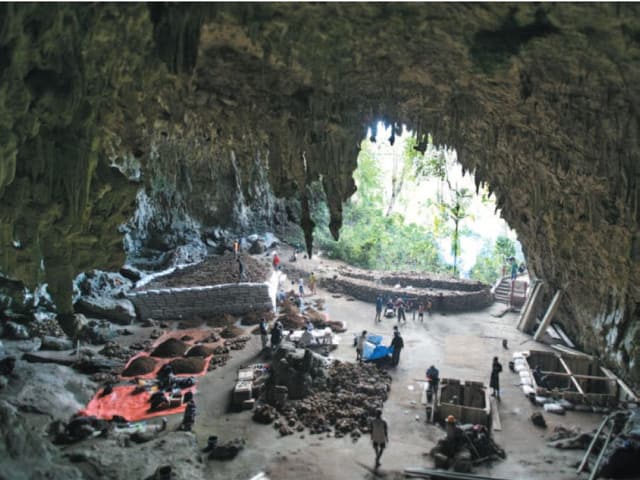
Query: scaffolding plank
{"x": 630, "y": 393}
{"x": 573, "y": 379}
{"x": 529, "y": 308}
{"x": 548, "y": 316}
{"x": 496, "y": 425}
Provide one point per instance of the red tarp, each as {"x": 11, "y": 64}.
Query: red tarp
{"x": 123, "y": 402}
{"x": 135, "y": 407}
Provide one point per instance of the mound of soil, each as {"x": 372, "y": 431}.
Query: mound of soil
{"x": 315, "y": 316}
{"x": 199, "y": 351}
{"x": 231, "y": 332}
{"x": 292, "y": 321}
{"x": 253, "y": 318}
{"x": 288, "y": 307}
{"x": 217, "y": 269}
{"x": 170, "y": 348}
{"x": 140, "y": 366}
{"x": 187, "y": 365}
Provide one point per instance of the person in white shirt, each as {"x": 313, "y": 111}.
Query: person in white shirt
{"x": 379, "y": 435}
{"x": 360, "y": 345}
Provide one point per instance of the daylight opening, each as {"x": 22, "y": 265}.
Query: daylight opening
{"x": 416, "y": 210}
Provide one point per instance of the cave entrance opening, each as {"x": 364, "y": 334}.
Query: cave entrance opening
{"x": 416, "y": 209}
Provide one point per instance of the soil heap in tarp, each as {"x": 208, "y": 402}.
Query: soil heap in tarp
{"x": 215, "y": 270}
{"x": 170, "y": 348}
{"x": 140, "y": 366}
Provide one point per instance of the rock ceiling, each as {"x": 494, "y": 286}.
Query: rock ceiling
{"x": 540, "y": 100}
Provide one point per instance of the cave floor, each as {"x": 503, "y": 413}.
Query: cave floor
{"x": 461, "y": 345}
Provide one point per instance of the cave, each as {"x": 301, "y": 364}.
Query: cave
{"x": 128, "y": 131}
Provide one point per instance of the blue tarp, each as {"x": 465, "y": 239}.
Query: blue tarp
{"x": 372, "y": 351}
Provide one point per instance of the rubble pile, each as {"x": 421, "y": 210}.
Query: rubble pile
{"x": 293, "y": 319}
{"x": 115, "y": 350}
{"x": 231, "y": 332}
{"x": 237, "y": 343}
{"x": 49, "y": 328}
{"x": 339, "y": 397}
{"x": 464, "y": 446}
{"x": 253, "y": 318}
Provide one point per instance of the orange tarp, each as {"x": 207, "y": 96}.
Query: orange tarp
{"x": 123, "y": 402}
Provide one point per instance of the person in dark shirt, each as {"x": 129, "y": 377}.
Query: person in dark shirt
{"x": 378, "y": 308}
{"x": 398, "y": 344}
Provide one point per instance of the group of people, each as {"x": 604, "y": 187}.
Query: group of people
{"x": 277, "y": 333}
{"x": 169, "y": 389}
{"x": 400, "y": 306}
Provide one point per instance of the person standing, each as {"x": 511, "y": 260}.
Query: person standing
{"x": 276, "y": 336}
{"x": 189, "y": 417}
{"x": 301, "y": 287}
{"x": 496, "y": 369}
{"x": 378, "y": 308}
{"x": 312, "y": 283}
{"x": 421, "y": 312}
{"x": 379, "y": 435}
{"x": 276, "y": 261}
{"x": 400, "y": 307}
{"x": 514, "y": 270}
{"x": 236, "y": 247}
{"x": 264, "y": 333}
{"x": 398, "y": 344}
{"x": 360, "y": 345}
{"x": 240, "y": 269}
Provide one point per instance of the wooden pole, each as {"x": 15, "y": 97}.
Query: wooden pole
{"x": 527, "y": 311}
{"x": 585, "y": 459}
{"x": 594, "y": 470}
{"x": 548, "y": 316}
{"x": 573, "y": 379}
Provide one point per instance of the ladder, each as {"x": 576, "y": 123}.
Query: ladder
{"x": 608, "y": 423}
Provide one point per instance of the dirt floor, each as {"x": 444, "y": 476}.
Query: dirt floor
{"x": 461, "y": 345}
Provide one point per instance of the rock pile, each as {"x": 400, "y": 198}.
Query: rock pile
{"x": 339, "y": 397}
{"x": 115, "y": 350}
{"x": 49, "y": 327}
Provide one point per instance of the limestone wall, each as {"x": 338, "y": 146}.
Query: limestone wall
{"x": 189, "y": 302}
{"x": 451, "y": 300}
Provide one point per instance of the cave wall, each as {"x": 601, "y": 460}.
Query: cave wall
{"x": 540, "y": 101}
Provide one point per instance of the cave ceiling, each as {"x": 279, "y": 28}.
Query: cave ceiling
{"x": 540, "y": 101}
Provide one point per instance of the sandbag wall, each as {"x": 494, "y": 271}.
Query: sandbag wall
{"x": 190, "y": 302}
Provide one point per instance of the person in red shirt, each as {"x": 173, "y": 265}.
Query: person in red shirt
{"x": 276, "y": 261}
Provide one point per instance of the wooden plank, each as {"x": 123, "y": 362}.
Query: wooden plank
{"x": 548, "y": 316}
{"x": 585, "y": 459}
{"x": 586, "y": 377}
{"x": 437, "y": 473}
{"x": 563, "y": 335}
{"x": 527, "y": 311}
{"x": 573, "y": 379}
{"x": 496, "y": 425}
{"x": 551, "y": 331}
{"x": 630, "y": 393}
{"x": 570, "y": 351}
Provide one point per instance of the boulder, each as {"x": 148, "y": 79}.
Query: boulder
{"x": 257, "y": 247}
{"x": 16, "y": 331}
{"x": 538, "y": 420}
{"x": 96, "y": 365}
{"x": 98, "y": 332}
{"x": 227, "y": 451}
{"x": 54, "y": 343}
{"x": 120, "y": 311}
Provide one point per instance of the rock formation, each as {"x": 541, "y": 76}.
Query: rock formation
{"x": 190, "y": 108}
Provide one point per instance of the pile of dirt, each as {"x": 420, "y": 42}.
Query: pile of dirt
{"x": 288, "y": 307}
{"x": 231, "y": 332}
{"x": 253, "y": 318}
{"x": 215, "y": 270}
{"x": 292, "y": 321}
{"x": 140, "y": 366}
{"x": 170, "y": 348}
{"x": 199, "y": 351}
{"x": 187, "y": 365}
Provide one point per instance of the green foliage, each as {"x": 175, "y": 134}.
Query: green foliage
{"x": 369, "y": 238}
{"x": 489, "y": 263}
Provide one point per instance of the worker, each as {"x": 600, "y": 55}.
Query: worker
{"x": 165, "y": 377}
{"x": 312, "y": 283}
{"x": 236, "y": 248}
{"x": 378, "y": 308}
{"x": 360, "y": 345}
{"x": 301, "y": 287}
{"x": 400, "y": 310}
{"x": 379, "y": 435}
{"x": 433, "y": 377}
{"x": 494, "y": 383}
{"x": 189, "y": 417}
{"x": 276, "y": 336}
{"x": 421, "y": 312}
{"x": 241, "y": 274}
{"x": 398, "y": 344}
{"x": 264, "y": 333}
{"x": 158, "y": 401}
{"x": 276, "y": 261}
